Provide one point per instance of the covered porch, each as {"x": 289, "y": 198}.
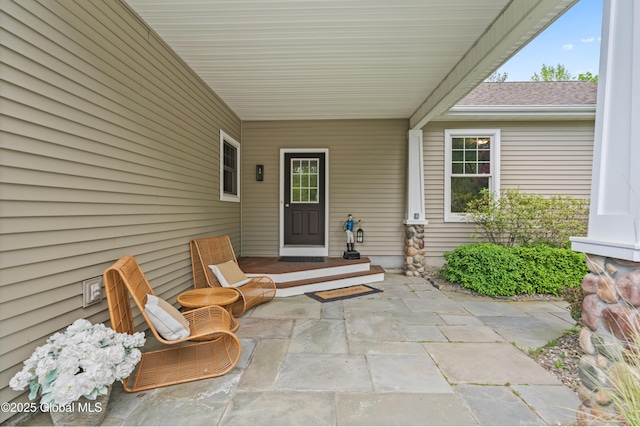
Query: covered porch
{"x": 114, "y": 142}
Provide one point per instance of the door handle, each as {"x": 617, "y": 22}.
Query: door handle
{"x": 286, "y": 205}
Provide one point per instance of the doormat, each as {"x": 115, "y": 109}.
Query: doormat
{"x": 343, "y": 293}
{"x": 301, "y": 259}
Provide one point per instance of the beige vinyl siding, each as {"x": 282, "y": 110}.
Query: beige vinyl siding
{"x": 367, "y": 177}
{"x": 109, "y": 146}
{"x": 546, "y": 158}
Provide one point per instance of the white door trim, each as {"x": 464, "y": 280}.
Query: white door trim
{"x": 305, "y": 250}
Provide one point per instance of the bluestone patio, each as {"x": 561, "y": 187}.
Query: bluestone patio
{"x": 411, "y": 355}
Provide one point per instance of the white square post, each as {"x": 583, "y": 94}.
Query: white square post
{"x": 415, "y": 179}
{"x": 614, "y": 217}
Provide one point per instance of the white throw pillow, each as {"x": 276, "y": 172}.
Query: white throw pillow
{"x": 229, "y": 274}
{"x": 168, "y": 321}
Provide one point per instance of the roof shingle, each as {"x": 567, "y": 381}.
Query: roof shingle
{"x": 533, "y": 93}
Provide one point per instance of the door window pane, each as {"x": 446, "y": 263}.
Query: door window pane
{"x": 304, "y": 180}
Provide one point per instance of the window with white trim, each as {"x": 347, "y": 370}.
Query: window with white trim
{"x": 229, "y": 168}
{"x": 472, "y": 163}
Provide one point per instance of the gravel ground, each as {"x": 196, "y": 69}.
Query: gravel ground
{"x": 560, "y": 356}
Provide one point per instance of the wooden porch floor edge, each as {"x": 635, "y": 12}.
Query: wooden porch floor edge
{"x": 270, "y": 265}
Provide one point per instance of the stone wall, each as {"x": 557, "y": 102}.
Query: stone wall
{"x": 611, "y": 315}
{"x": 414, "y": 251}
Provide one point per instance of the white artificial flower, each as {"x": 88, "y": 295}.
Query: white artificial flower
{"x": 82, "y": 361}
{"x": 21, "y": 379}
{"x": 78, "y": 326}
{"x": 66, "y": 389}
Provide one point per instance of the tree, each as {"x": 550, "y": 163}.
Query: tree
{"x": 496, "y": 77}
{"x": 588, "y": 77}
{"x": 560, "y": 74}
{"x": 552, "y": 74}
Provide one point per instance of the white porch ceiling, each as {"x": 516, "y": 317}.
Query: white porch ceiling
{"x": 321, "y": 59}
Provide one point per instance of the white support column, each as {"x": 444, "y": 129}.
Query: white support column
{"x": 415, "y": 180}
{"x": 614, "y": 218}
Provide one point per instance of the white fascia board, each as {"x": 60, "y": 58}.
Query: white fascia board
{"x": 518, "y": 24}
{"x": 588, "y": 111}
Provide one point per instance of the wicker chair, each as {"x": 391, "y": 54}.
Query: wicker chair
{"x": 216, "y": 250}
{"x": 214, "y": 357}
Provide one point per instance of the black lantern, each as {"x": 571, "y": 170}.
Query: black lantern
{"x": 360, "y": 235}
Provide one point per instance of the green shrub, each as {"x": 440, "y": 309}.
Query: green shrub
{"x": 574, "y": 295}
{"x": 497, "y": 270}
{"x": 517, "y": 218}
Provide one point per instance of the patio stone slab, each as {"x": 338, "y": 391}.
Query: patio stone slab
{"x": 530, "y": 339}
{"x": 470, "y": 334}
{"x": 247, "y": 347}
{"x": 497, "y": 406}
{"x": 332, "y": 310}
{"x": 199, "y": 402}
{"x": 556, "y": 405}
{"x": 402, "y": 409}
{"x": 406, "y": 374}
{"x": 439, "y": 304}
{"x": 120, "y": 403}
{"x": 319, "y": 336}
{"x": 399, "y": 292}
{"x": 488, "y": 363}
{"x": 460, "y": 319}
{"x": 555, "y": 320}
{"x": 564, "y": 315}
{"x": 421, "y": 333}
{"x": 466, "y": 296}
{"x": 325, "y": 372}
{"x": 262, "y": 373}
{"x": 298, "y": 307}
{"x": 264, "y": 328}
{"x": 280, "y": 408}
{"x": 424, "y": 318}
{"x": 218, "y": 390}
{"x": 526, "y": 322}
{"x": 491, "y": 308}
{"x": 372, "y": 327}
{"x": 364, "y": 347}
{"x": 422, "y": 288}
{"x": 369, "y": 305}
{"x": 535, "y": 306}
{"x": 157, "y": 413}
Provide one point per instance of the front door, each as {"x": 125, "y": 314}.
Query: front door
{"x": 304, "y": 199}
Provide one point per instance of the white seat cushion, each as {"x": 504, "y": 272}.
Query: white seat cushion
{"x": 229, "y": 274}
{"x": 168, "y": 321}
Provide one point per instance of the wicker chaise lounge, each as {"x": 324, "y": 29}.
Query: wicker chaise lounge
{"x": 217, "y": 250}
{"x": 214, "y": 357}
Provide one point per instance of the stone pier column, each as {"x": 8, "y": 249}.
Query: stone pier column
{"x": 414, "y": 251}
{"x": 611, "y": 315}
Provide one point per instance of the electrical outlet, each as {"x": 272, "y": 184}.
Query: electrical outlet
{"x": 91, "y": 291}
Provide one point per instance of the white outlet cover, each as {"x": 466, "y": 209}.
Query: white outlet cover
{"x": 92, "y": 291}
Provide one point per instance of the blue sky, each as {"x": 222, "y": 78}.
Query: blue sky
{"x": 573, "y": 40}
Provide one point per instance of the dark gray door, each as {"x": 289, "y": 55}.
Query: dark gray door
{"x": 304, "y": 199}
